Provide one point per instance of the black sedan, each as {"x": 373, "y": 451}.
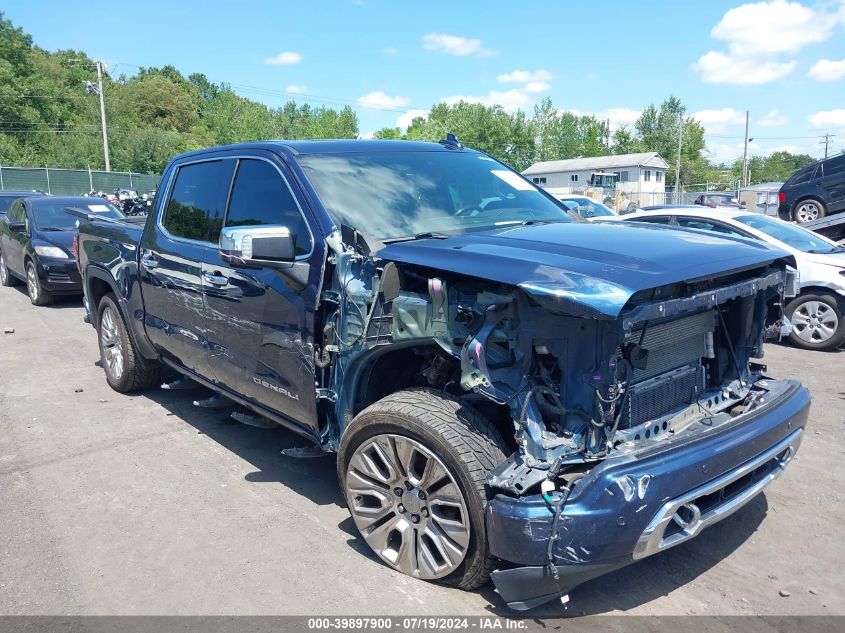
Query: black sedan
{"x": 36, "y": 244}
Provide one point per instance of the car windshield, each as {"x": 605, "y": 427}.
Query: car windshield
{"x": 587, "y": 208}
{"x": 791, "y": 235}
{"x": 53, "y": 217}
{"x": 390, "y": 194}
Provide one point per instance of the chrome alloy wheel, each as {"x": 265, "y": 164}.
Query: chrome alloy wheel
{"x": 111, "y": 344}
{"x": 815, "y": 322}
{"x": 408, "y": 506}
{"x": 807, "y": 211}
{"x": 32, "y": 283}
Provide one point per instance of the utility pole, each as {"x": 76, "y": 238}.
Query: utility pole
{"x": 744, "y": 179}
{"x": 103, "y": 115}
{"x": 678, "y": 161}
{"x": 826, "y": 142}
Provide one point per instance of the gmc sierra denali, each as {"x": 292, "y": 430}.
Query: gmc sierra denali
{"x": 510, "y": 392}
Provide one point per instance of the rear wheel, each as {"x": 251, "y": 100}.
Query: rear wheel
{"x": 817, "y": 321}
{"x": 37, "y": 295}
{"x": 413, "y": 468}
{"x": 125, "y": 370}
{"x": 6, "y": 278}
{"x": 808, "y": 210}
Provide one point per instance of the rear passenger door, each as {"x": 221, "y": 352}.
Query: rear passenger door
{"x": 833, "y": 182}
{"x": 185, "y": 236}
{"x": 261, "y": 320}
{"x": 14, "y": 242}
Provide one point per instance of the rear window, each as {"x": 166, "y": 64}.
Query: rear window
{"x": 805, "y": 174}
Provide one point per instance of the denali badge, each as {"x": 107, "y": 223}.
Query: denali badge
{"x": 268, "y": 385}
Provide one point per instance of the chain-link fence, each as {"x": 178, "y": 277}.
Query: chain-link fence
{"x": 73, "y": 182}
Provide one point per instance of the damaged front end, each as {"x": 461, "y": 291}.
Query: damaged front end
{"x": 637, "y": 417}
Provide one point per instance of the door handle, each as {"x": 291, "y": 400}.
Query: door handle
{"x": 149, "y": 262}
{"x": 215, "y": 279}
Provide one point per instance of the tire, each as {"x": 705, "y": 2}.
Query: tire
{"x": 37, "y": 295}
{"x": 7, "y": 279}
{"x": 808, "y": 210}
{"x": 459, "y": 447}
{"x": 818, "y": 321}
{"x": 124, "y": 368}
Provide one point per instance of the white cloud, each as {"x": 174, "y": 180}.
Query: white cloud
{"x": 719, "y": 121}
{"x": 524, "y": 76}
{"x": 296, "y": 89}
{"x": 382, "y": 101}
{"x": 455, "y": 45}
{"x": 828, "y": 69}
{"x": 405, "y": 119}
{"x": 719, "y": 68}
{"x": 830, "y": 119}
{"x": 729, "y": 152}
{"x": 288, "y": 58}
{"x": 367, "y": 136}
{"x": 772, "y": 27}
{"x": 773, "y": 119}
{"x": 537, "y": 86}
{"x": 758, "y": 35}
{"x": 511, "y": 100}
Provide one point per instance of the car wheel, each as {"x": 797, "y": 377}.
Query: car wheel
{"x": 817, "y": 321}
{"x": 413, "y": 468}
{"x": 37, "y": 295}
{"x": 809, "y": 210}
{"x": 6, "y": 278}
{"x": 125, "y": 370}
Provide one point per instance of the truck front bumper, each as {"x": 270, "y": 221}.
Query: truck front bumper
{"x": 631, "y": 507}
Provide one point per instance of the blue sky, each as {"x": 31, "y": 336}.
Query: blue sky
{"x": 783, "y": 61}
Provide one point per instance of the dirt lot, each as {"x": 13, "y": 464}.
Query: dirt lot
{"x": 148, "y": 505}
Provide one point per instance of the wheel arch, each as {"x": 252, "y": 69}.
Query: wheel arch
{"x": 808, "y": 196}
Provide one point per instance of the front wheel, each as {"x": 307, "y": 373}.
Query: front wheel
{"x": 413, "y": 468}
{"x": 37, "y": 295}
{"x": 125, "y": 370}
{"x": 817, "y": 321}
{"x": 809, "y": 210}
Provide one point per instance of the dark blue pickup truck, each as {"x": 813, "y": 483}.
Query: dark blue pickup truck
{"x": 510, "y": 392}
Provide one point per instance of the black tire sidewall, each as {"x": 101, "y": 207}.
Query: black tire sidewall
{"x": 818, "y": 203}
{"x": 834, "y": 302}
{"x": 373, "y": 423}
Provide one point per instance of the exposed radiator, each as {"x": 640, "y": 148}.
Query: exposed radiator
{"x": 658, "y": 396}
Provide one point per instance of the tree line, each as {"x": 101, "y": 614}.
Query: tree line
{"x": 49, "y": 117}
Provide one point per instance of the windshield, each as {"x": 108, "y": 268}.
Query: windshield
{"x": 401, "y": 194}
{"x": 53, "y": 217}
{"x": 587, "y": 208}
{"x": 791, "y": 235}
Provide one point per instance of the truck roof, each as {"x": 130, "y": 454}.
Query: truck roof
{"x": 332, "y": 146}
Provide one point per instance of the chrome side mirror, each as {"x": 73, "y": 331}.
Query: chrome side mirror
{"x": 258, "y": 246}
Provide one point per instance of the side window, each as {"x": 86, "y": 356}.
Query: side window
{"x": 261, "y": 196}
{"x": 834, "y": 166}
{"x": 16, "y": 212}
{"x": 706, "y": 225}
{"x": 653, "y": 219}
{"x": 198, "y": 200}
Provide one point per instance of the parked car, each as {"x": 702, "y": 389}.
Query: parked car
{"x": 814, "y": 191}
{"x": 503, "y": 385}
{"x": 817, "y": 314}
{"x": 585, "y": 207}
{"x": 36, "y": 240}
{"x": 714, "y": 200}
{"x": 8, "y": 197}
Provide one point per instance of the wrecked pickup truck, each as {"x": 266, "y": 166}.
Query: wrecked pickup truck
{"x": 510, "y": 392}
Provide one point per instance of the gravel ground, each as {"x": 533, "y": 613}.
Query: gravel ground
{"x": 145, "y": 504}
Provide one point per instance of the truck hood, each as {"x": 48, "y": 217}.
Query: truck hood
{"x": 584, "y": 269}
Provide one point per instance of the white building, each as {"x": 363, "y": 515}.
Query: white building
{"x": 642, "y": 177}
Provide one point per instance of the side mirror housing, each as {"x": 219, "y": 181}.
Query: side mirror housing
{"x": 17, "y": 227}
{"x": 258, "y": 246}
